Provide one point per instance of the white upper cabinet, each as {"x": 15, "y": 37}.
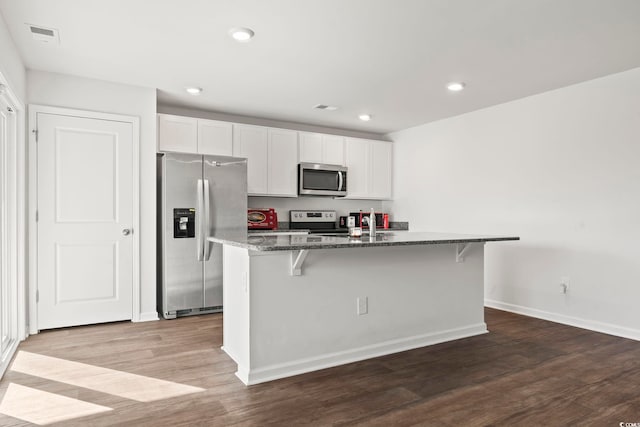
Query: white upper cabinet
{"x": 274, "y": 154}
{"x": 370, "y": 168}
{"x": 321, "y": 148}
{"x": 215, "y": 137}
{"x": 381, "y": 169}
{"x": 252, "y": 142}
{"x": 333, "y": 146}
{"x": 191, "y": 135}
{"x": 358, "y": 160}
{"x": 283, "y": 163}
{"x": 177, "y": 133}
{"x": 272, "y": 159}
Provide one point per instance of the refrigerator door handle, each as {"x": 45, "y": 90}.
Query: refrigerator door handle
{"x": 207, "y": 221}
{"x": 200, "y": 222}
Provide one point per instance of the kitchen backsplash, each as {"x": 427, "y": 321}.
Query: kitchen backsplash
{"x": 283, "y": 205}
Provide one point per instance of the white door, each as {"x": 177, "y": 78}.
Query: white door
{"x": 85, "y": 217}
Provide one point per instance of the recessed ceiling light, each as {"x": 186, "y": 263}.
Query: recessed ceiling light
{"x": 241, "y": 34}
{"x": 455, "y": 86}
{"x": 365, "y": 117}
{"x": 193, "y": 90}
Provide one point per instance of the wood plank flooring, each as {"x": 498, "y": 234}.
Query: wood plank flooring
{"x": 525, "y": 372}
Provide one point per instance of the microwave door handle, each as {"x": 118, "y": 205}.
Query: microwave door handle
{"x": 207, "y": 221}
{"x": 200, "y": 221}
{"x": 340, "y": 180}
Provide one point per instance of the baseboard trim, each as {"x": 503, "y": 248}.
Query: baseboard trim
{"x": 605, "y": 328}
{"x": 301, "y": 366}
{"x": 6, "y": 361}
{"x": 148, "y": 316}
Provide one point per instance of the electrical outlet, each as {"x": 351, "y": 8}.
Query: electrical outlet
{"x": 362, "y": 305}
{"x": 564, "y": 285}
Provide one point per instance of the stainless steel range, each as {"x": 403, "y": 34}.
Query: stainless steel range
{"x": 317, "y": 222}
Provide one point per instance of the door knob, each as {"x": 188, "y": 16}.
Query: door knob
{"x": 126, "y": 231}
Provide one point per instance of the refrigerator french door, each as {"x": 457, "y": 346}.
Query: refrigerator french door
{"x": 201, "y": 196}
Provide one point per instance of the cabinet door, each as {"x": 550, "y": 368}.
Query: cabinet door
{"x": 358, "y": 161}
{"x": 310, "y": 147}
{"x": 177, "y": 133}
{"x": 333, "y": 149}
{"x": 215, "y": 137}
{"x": 251, "y": 142}
{"x": 283, "y": 162}
{"x": 381, "y": 169}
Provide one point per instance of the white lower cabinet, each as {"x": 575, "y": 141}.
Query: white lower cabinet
{"x": 272, "y": 159}
{"x": 370, "y": 168}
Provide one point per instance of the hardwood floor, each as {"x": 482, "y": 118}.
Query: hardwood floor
{"x": 524, "y": 372}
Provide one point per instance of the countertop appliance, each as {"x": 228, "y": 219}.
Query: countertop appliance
{"x": 362, "y": 219}
{"x": 318, "y": 222}
{"x": 198, "y": 197}
{"x": 262, "y": 219}
{"x": 316, "y": 179}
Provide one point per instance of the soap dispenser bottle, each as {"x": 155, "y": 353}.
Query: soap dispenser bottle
{"x": 372, "y": 224}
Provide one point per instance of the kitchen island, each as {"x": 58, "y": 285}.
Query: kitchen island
{"x": 299, "y": 303}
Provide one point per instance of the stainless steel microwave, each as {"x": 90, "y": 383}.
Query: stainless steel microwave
{"x": 316, "y": 179}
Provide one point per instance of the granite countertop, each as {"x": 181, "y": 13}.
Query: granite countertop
{"x": 383, "y": 238}
{"x": 306, "y": 230}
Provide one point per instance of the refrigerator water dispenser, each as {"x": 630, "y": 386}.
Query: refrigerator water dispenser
{"x": 184, "y": 223}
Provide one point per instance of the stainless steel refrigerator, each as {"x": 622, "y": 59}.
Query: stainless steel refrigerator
{"x": 199, "y": 196}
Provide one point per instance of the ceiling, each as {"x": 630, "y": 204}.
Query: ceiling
{"x": 389, "y": 58}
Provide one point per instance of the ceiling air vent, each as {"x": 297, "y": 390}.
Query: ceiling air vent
{"x": 325, "y": 107}
{"x": 44, "y": 35}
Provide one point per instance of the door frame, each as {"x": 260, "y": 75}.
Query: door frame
{"x": 18, "y": 244}
{"x": 34, "y": 110}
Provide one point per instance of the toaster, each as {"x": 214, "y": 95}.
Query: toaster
{"x": 262, "y": 219}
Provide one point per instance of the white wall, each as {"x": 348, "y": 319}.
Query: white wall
{"x": 562, "y": 171}
{"x": 11, "y": 66}
{"x": 86, "y": 94}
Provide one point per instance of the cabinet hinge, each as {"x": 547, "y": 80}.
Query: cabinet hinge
{"x": 37, "y": 216}
{"x": 37, "y": 295}
{"x": 35, "y": 132}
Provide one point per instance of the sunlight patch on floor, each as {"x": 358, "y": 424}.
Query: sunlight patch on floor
{"x": 118, "y": 383}
{"x": 41, "y": 407}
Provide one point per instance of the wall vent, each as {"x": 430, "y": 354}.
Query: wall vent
{"x": 325, "y": 107}
{"x": 44, "y": 35}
